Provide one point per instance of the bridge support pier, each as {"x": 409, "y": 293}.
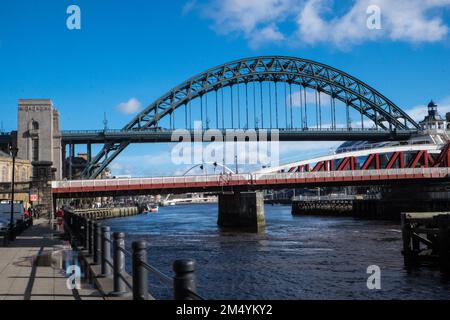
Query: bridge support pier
{"x": 242, "y": 210}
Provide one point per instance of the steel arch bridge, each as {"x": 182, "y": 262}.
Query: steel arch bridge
{"x": 262, "y": 75}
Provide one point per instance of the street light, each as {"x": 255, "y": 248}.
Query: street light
{"x": 13, "y": 151}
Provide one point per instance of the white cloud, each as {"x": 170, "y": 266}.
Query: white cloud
{"x": 188, "y": 7}
{"x": 298, "y": 97}
{"x": 267, "y": 34}
{"x": 420, "y": 111}
{"x": 401, "y": 20}
{"x": 146, "y": 165}
{"x": 256, "y": 20}
{"x": 319, "y": 21}
{"x": 131, "y": 106}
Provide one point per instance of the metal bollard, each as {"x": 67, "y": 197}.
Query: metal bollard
{"x": 106, "y": 252}
{"x": 90, "y": 236}
{"x": 97, "y": 243}
{"x": 140, "y": 273}
{"x": 119, "y": 264}
{"x": 443, "y": 244}
{"x": 184, "y": 281}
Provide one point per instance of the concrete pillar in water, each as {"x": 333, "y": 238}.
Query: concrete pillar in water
{"x": 242, "y": 210}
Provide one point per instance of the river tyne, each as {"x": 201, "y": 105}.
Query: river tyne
{"x": 308, "y": 257}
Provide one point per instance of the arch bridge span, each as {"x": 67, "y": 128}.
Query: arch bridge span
{"x": 301, "y": 97}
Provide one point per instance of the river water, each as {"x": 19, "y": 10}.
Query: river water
{"x": 306, "y": 257}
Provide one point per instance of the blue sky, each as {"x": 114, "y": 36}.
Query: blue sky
{"x": 140, "y": 49}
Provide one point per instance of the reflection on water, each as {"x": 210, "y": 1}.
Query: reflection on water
{"x": 295, "y": 257}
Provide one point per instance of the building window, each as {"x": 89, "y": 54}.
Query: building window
{"x": 35, "y": 150}
{"x": 23, "y": 174}
{"x": 4, "y": 174}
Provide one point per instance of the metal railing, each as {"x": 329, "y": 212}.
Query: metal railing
{"x": 326, "y": 198}
{"x": 336, "y": 197}
{"x": 159, "y": 130}
{"x": 96, "y": 240}
{"x": 248, "y": 178}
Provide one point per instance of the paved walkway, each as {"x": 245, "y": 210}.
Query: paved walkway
{"x": 32, "y": 267}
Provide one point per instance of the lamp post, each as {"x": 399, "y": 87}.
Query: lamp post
{"x": 13, "y": 151}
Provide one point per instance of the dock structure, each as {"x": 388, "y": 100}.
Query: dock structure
{"x": 426, "y": 238}
{"x": 322, "y": 207}
{"x": 33, "y": 267}
{"x": 376, "y": 209}
{"x": 107, "y": 213}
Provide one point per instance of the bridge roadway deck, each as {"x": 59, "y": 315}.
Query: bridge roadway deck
{"x": 243, "y": 182}
{"x": 166, "y": 135}
{"x": 24, "y": 277}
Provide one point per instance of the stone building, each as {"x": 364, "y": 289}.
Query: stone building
{"x": 23, "y": 173}
{"x": 38, "y": 133}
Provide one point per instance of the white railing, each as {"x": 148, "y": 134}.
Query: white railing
{"x": 351, "y": 173}
{"x": 375, "y": 146}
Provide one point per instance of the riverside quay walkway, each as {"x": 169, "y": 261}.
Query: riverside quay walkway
{"x": 33, "y": 267}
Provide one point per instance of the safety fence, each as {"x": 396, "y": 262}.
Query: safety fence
{"x": 108, "y": 250}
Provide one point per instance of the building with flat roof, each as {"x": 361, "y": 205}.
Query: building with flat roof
{"x": 38, "y": 133}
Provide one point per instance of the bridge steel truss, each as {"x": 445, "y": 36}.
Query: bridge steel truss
{"x": 339, "y": 85}
{"x": 381, "y": 161}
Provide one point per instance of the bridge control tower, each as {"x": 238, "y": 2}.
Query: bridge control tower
{"x": 433, "y": 121}
{"x": 38, "y": 132}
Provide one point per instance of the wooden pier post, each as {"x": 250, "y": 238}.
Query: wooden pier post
{"x": 406, "y": 237}
{"x": 444, "y": 245}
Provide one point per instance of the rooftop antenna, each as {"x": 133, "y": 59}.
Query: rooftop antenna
{"x": 105, "y": 122}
